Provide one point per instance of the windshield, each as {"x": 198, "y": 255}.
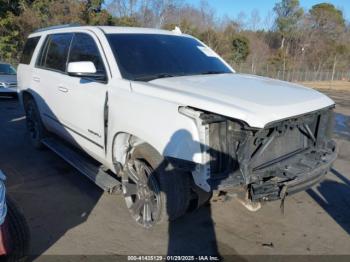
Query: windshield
{"x": 6, "y": 69}
{"x": 144, "y": 57}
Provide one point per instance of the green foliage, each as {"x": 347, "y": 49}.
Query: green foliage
{"x": 94, "y": 5}
{"x": 12, "y": 6}
{"x": 8, "y": 38}
{"x": 95, "y": 15}
{"x": 23, "y": 17}
{"x": 288, "y": 14}
{"x": 325, "y": 16}
{"x": 126, "y": 21}
{"x": 277, "y": 60}
{"x": 328, "y": 25}
{"x": 240, "y": 49}
{"x": 186, "y": 27}
{"x": 318, "y": 40}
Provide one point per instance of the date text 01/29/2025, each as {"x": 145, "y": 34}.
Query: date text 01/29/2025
{"x": 173, "y": 258}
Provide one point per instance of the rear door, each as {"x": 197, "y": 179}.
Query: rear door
{"x": 49, "y": 75}
{"x": 25, "y": 70}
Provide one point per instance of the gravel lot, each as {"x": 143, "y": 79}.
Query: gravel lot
{"x": 68, "y": 215}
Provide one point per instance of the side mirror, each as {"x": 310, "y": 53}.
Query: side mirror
{"x": 84, "y": 69}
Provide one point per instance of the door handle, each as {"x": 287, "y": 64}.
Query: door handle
{"x": 36, "y": 78}
{"x": 62, "y": 89}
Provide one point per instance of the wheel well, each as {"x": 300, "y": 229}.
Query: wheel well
{"x": 122, "y": 143}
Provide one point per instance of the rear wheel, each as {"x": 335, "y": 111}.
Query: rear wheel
{"x": 154, "y": 192}
{"x": 35, "y": 127}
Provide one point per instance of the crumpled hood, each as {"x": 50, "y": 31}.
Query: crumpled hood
{"x": 255, "y": 100}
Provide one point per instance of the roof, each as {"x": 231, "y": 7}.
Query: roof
{"x": 136, "y": 30}
{"x": 105, "y": 29}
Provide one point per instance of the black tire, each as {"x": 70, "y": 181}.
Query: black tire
{"x": 35, "y": 127}
{"x": 18, "y": 233}
{"x": 170, "y": 188}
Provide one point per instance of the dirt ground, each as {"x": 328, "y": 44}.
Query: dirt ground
{"x": 333, "y": 85}
{"x": 68, "y": 215}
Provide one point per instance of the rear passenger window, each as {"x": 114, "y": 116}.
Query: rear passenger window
{"x": 28, "y": 50}
{"x": 85, "y": 49}
{"x": 55, "y": 52}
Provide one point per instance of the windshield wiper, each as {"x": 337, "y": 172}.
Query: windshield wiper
{"x": 153, "y": 77}
{"x": 213, "y": 73}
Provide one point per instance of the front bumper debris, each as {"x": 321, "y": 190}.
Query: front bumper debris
{"x": 313, "y": 173}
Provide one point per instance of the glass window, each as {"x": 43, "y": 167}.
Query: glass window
{"x": 28, "y": 50}
{"x": 145, "y": 57}
{"x": 84, "y": 49}
{"x": 42, "y": 55}
{"x": 57, "y": 52}
{"x": 6, "y": 69}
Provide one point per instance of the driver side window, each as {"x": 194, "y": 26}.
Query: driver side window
{"x": 84, "y": 49}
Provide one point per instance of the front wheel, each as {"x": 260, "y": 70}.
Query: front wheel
{"x": 154, "y": 192}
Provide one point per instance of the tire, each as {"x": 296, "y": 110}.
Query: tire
{"x": 18, "y": 232}
{"x": 170, "y": 189}
{"x": 35, "y": 127}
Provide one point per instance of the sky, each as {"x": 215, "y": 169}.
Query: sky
{"x": 232, "y": 8}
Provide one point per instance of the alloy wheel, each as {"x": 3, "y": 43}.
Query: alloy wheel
{"x": 141, "y": 192}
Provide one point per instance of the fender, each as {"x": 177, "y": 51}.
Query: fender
{"x": 174, "y": 135}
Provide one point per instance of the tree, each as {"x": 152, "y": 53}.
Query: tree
{"x": 95, "y": 15}
{"x": 240, "y": 49}
{"x": 318, "y": 40}
{"x": 259, "y": 52}
{"x": 126, "y": 21}
{"x": 288, "y": 14}
{"x": 329, "y": 29}
{"x": 326, "y": 17}
{"x": 8, "y": 47}
{"x": 327, "y": 20}
{"x": 12, "y": 6}
{"x": 123, "y": 8}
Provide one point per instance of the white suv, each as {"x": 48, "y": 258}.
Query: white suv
{"x": 163, "y": 117}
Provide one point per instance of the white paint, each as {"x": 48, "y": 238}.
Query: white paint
{"x": 85, "y": 67}
{"x": 150, "y": 110}
{"x": 207, "y": 51}
{"x": 255, "y": 100}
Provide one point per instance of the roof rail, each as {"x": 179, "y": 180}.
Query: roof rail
{"x": 56, "y": 27}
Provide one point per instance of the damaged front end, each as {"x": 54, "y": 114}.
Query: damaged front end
{"x": 283, "y": 158}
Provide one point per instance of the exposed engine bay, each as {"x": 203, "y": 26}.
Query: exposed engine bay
{"x": 283, "y": 158}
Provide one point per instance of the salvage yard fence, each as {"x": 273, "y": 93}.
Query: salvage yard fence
{"x": 302, "y": 76}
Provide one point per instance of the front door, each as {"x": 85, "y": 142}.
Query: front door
{"x": 82, "y": 101}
